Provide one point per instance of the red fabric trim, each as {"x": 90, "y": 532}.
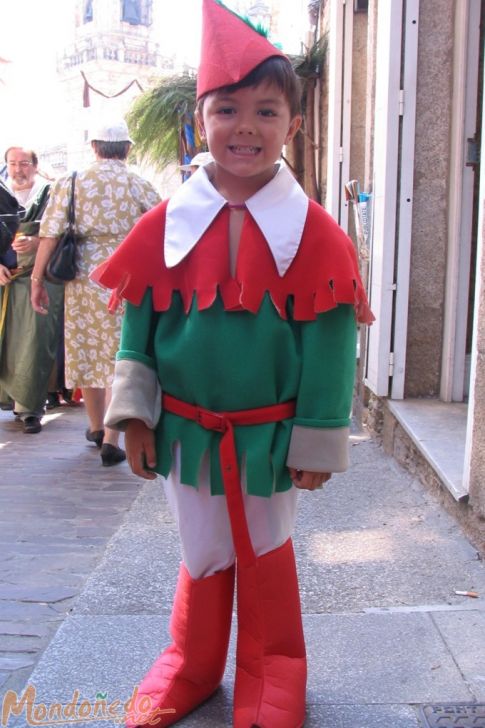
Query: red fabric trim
{"x": 230, "y": 49}
{"x": 323, "y": 273}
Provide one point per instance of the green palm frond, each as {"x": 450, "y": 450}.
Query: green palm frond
{"x": 310, "y": 64}
{"x": 258, "y": 28}
{"x": 155, "y": 119}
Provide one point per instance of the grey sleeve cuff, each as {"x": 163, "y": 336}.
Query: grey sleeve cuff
{"x": 136, "y": 394}
{"x": 319, "y": 449}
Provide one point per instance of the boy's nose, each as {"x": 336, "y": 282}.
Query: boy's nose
{"x": 245, "y": 129}
{"x": 245, "y": 125}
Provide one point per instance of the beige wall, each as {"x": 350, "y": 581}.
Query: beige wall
{"x": 358, "y": 109}
{"x": 429, "y": 230}
{"x": 324, "y": 111}
{"x": 359, "y": 98}
{"x": 370, "y": 93}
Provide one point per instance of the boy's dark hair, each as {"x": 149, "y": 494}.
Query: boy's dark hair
{"x": 275, "y": 70}
{"x": 112, "y": 150}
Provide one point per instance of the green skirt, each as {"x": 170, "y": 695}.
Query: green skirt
{"x": 28, "y": 343}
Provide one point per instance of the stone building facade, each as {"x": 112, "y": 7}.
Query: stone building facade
{"x": 114, "y": 50}
{"x": 404, "y": 118}
{"x": 111, "y": 54}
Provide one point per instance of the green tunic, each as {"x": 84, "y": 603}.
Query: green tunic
{"x": 237, "y": 360}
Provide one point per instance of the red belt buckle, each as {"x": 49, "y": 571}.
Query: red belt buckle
{"x": 211, "y": 420}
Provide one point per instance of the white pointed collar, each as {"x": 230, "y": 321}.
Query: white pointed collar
{"x": 279, "y": 209}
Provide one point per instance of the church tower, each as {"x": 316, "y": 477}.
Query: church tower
{"x": 112, "y": 53}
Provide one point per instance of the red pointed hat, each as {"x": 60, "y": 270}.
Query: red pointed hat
{"x": 230, "y": 48}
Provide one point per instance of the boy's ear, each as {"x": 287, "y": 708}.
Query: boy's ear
{"x": 295, "y": 124}
{"x": 200, "y": 123}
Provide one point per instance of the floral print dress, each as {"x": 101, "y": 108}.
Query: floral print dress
{"x": 109, "y": 199}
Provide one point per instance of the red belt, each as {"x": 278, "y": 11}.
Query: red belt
{"x": 224, "y": 423}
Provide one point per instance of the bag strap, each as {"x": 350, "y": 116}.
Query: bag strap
{"x": 71, "y": 218}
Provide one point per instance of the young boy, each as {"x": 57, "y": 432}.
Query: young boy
{"x": 240, "y": 297}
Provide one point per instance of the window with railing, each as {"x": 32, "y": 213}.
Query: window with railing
{"x": 110, "y": 54}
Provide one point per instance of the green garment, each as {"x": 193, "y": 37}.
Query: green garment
{"x": 28, "y": 343}
{"x": 238, "y": 360}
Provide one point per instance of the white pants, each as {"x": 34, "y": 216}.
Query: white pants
{"x": 204, "y": 527}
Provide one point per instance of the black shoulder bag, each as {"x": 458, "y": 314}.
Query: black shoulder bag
{"x": 62, "y": 265}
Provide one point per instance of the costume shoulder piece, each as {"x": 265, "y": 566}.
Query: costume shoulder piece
{"x": 326, "y": 269}
{"x": 323, "y": 273}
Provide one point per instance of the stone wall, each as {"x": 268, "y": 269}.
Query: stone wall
{"x": 430, "y": 205}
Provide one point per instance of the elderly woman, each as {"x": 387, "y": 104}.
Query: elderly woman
{"x": 109, "y": 199}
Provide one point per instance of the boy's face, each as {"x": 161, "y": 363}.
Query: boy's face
{"x": 246, "y": 129}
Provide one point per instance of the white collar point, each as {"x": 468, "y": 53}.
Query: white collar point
{"x": 279, "y": 208}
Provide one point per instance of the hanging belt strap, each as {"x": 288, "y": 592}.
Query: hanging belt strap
{"x": 224, "y": 422}
{"x": 14, "y": 273}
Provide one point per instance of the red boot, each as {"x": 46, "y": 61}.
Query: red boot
{"x": 271, "y": 660}
{"x": 191, "y": 669}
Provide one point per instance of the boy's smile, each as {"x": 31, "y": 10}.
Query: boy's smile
{"x": 245, "y": 132}
{"x": 245, "y": 151}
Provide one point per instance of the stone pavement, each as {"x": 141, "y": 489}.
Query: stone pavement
{"x": 89, "y": 562}
{"x": 58, "y": 509}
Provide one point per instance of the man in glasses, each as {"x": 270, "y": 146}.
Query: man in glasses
{"x": 22, "y": 173}
{"x": 28, "y": 342}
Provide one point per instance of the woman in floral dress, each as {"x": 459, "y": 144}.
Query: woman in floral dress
{"x": 109, "y": 199}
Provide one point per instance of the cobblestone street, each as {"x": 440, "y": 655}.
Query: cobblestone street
{"x": 58, "y": 509}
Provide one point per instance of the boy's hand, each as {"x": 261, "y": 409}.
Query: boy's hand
{"x": 140, "y": 449}
{"x": 306, "y": 480}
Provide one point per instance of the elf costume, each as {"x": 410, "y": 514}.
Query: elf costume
{"x": 240, "y": 377}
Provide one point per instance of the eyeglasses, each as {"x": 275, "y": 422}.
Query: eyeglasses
{"x": 23, "y": 165}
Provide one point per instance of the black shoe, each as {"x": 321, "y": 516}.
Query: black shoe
{"x": 68, "y": 398}
{"x": 6, "y": 406}
{"x": 53, "y": 400}
{"x": 97, "y": 436}
{"x": 67, "y": 394}
{"x": 31, "y": 425}
{"x": 112, "y": 455}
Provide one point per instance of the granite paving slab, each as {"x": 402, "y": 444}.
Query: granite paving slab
{"x": 464, "y": 635}
{"x": 217, "y": 713}
{"x": 368, "y": 659}
{"x": 58, "y": 509}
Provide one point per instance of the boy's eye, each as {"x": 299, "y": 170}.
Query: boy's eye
{"x": 226, "y": 110}
{"x": 267, "y": 112}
